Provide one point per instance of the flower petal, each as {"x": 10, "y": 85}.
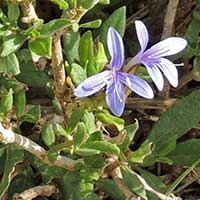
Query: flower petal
{"x": 167, "y": 47}
{"x": 142, "y": 34}
{"x": 115, "y": 97}
{"x": 169, "y": 70}
{"x": 156, "y": 75}
{"x": 143, "y": 37}
{"x": 138, "y": 85}
{"x": 93, "y": 84}
{"x": 116, "y": 49}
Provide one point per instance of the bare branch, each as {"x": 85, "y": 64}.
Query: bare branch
{"x": 45, "y": 190}
{"x": 28, "y": 9}
{"x": 170, "y": 18}
{"x": 7, "y": 136}
{"x": 57, "y": 65}
{"x": 158, "y": 194}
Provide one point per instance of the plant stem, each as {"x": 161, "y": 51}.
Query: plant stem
{"x": 7, "y": 136}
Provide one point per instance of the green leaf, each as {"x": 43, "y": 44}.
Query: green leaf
{"x": 57, "y": 106}
{"x": 20, "y": 102}
{"x": 142, "y": 153}
{"x": 14, "y": 156}
{"x": 32, "y": 77}
{"x": 132, "y": 181}
{"x": 35, "y": 112}
{"x": 76, "y": 186}
{"x": 48, "y": 135}
{"x": 12, "y": 43}
{"x": 71, "y": 45}
{"x": 13, "y": 11}
{"x": 24, "y": 56}
{"x": 28, "y": 118}
{"x": 55, "y": 150}
{"x": 81, "y": 134}
{"x": 176, "y": 121}
{"x": 6, "y": 103}
{"x": 74, "y": 119}
{"x": 9, "y": 65}
{"x": 41, "y": 46}
{"x": 110, "y": 188}
{"x": 92, "y": 24}
{"x": 86, "y": 48}
{"x": 86, "y": 151}
{"x": 97, "y": 62}
{"x": 94, "y": 161}
{"x": 63, "y": 5}
{"x": 168, "y": 146}
{"x": 109, "y": 119}
{"x": 88, "y": 4}
{"x": 164, "y": 160}
{"x": 47, "y": 172}
{"x": 192, "y": 35}
{"x": 89, "y": 120}
{"x": 103, "y": 146}
{"x": 88, "y": 176}
{"x": 96, "y": 136}
{"x": 196, "y": 68}
{"x": 60, "y": 130}
{"x": 72, "y": 3}
{"x": 155, "y": 182}
{"x": 77, "y": 74}
{"x": 105, "y": 2}
{"x": 32, "y": 116}
{"x": 21, "y": 182}
{"x": 9, "y": 82}
{"x": 130, "y": 131}
{"x": 117, "y": 20}
{"x": 3, "y": 17}
{"x": 196, "y": 63}
{"x": 53, "y": 26}
{"x": 186, "y": 153}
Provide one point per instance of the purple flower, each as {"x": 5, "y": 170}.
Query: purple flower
{"x": 114, "y": 79}
{"x": 153, "y": 59}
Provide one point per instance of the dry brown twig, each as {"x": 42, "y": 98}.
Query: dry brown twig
{"x": 44, "y": 190}
{"x": 28, "y": 9}
{"x": 57, "y": 63}
{"x": 150, "y": 104}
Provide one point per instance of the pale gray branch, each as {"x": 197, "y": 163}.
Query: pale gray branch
{"x": 45, "y": 190}
{"x": 158, "y": 194}
{"x": 7, "y": 136}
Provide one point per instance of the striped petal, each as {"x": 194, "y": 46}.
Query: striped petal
{"x": 143, "y": 37}
{"x": 142, "y": 34}
{"x": 115, "y": 97}
{"x": 93, "y": 84}
{"x": 156, "y": 75}
{"x": 115, "y": 48}
{"x": 138, "y": 85}
{"x": 169, "y": 70}
{"x": 167, "y": 47}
